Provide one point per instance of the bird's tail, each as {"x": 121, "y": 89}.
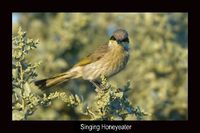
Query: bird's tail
{"x": 55, "y": 80}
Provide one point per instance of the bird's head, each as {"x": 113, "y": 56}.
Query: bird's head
{"x": 121, "y": 37}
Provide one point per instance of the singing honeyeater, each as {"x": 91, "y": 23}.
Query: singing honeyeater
{"x": 107, "y": 60}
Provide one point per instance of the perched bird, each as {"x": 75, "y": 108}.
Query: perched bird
{"x": 107, "y": 60}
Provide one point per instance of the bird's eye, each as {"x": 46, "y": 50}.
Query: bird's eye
{"x": 125, "y": 40}
{"x": 112, "y": 38}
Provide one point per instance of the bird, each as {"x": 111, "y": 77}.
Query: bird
{"x": 107, "y": 60}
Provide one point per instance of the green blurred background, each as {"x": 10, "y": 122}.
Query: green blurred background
{"x": 157, "y": 69}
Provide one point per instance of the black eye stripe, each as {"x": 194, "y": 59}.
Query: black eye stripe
{"x": 112, "y": 38}
{"x": 125, "y": 40}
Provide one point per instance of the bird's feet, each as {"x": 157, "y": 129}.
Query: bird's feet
{"x": 97, "y": 85}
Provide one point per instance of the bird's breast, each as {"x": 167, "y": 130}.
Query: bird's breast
{"x": 111, "y": 63}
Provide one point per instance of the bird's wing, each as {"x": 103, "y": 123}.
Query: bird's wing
{"x": 96, "y": 55}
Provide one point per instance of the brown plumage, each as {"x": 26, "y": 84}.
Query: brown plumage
{"x": 107, "y": 60}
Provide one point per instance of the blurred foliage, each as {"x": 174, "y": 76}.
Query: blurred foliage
{"x": 24, "y": 100}
{"x": 22, "y": 72}
{"x": 113, "y": 104}
{"x": 157, "y": 69}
